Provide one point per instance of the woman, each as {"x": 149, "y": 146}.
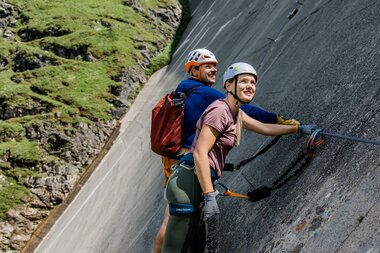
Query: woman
{"x": 218, "y": 130}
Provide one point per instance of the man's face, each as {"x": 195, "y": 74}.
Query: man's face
{"x": 208, "y": 73}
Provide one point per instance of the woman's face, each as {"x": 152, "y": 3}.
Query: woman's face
{"x": 246, "y": 87}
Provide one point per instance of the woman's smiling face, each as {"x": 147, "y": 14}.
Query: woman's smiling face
{"x": 246, "y": 87}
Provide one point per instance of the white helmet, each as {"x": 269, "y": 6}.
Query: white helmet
{"x": 237, "y": 69}
{"x": 198, "y": 57}
{"x": 233, "y": 71}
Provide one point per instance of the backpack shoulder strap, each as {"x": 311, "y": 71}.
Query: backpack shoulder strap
{"x": 191, "y": 90}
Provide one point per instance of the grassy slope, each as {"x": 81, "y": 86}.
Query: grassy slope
{"x": 76, "y": 89}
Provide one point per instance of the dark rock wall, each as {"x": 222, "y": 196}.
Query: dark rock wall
{"x": 317, "y": 61}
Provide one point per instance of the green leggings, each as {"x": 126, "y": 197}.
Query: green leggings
{"x": 184, "y": 233}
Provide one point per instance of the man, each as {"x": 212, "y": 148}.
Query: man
{"x": 201, "y": 65}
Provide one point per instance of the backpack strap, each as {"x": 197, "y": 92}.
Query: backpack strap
{"x": 191, "y": 90}
{"x": 179, "y": 97}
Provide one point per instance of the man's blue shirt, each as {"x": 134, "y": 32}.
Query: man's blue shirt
{"x": 200, "y": 98}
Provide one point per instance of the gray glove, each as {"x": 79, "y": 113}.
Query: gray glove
{"x": 211, "y": 209}
{"x": 307, "y": 129}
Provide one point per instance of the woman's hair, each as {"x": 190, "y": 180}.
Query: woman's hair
{"x": 239, "y": 127}
{"x": 231, "y": 80}
{"x": 239, "y": 118}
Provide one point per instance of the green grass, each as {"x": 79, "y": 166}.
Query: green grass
{"x": 101, "y": 40}
{"x": 107, "y": 30}
{"x": 19, "y": 174}
{"x": 165, "y": 57}
{"x": 11, "y": 130}
{"x": 22, "y": 150}
{"x": 11, "y": 194}
{"x": 82, "y": 85}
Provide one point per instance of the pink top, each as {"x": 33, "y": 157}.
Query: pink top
{"x": 218, "y": 116}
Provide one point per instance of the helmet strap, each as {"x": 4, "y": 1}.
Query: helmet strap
{"x": 199, "y": 73}
{"x": 235, "y": 95}
{"x": 194, "y": 77}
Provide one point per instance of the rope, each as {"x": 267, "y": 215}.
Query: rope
{"x": 227, "y": 192}
{"x": 231, "y": 167}
{"x": 316, "y": 139}
{"x": 284, "y": 178}
{"x": 352, "y": 138}
{"x": 258, "y": 153}
{"x": 302, "y": 160}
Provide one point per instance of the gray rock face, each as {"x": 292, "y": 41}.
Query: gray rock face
{"x": 8, "y": 14}
{"x": 317, "y": 61}
{"x": 3, "y": 60}
{"x": 170, "y": 16}
{"x": 316, "y": 65}
{"x": 29, "y": 62}
{"x": 134, "y": 4}
{"x": 30, "y": 34}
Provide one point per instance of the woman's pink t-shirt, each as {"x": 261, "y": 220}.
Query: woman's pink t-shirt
{"x": 218, "y": 116}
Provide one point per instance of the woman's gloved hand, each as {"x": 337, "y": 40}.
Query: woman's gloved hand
{"x": 307, "y": 129}
{"x": 210, "y": 209}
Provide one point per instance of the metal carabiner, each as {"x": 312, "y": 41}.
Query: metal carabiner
{"x": 315, "y": 140}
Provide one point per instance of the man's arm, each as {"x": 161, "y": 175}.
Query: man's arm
{"x": 267, "y": 117}
{"x": 256, "y": 112}
{"x": 259, "y": 114}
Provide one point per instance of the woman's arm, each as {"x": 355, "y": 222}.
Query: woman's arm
{"x": 266, "y": 129}
{"x": 205, "y": 141}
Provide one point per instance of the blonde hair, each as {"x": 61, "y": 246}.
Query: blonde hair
{"x": 239, "y": 127}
